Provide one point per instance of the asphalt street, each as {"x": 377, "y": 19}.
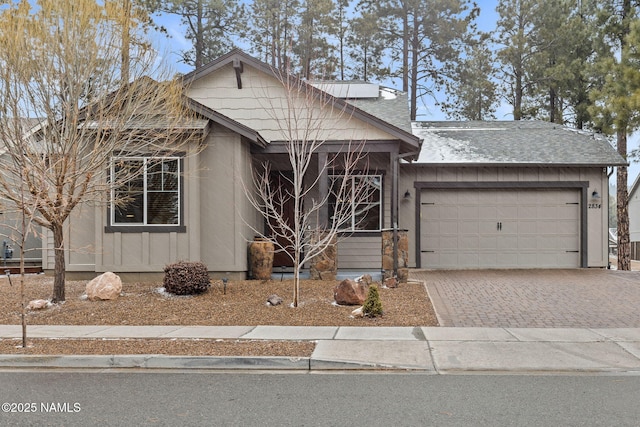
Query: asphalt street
{"x": 275, "y": 399}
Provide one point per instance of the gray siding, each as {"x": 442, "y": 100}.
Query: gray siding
{"x": 360, "y": 252}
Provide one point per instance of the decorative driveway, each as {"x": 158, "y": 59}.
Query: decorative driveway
{"x": 577, "y": 298}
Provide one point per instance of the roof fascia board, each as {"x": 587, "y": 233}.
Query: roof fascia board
{"x": 227, "y": 122}
{"x": 517, "y": 165}
{"x": 387, "y": 146}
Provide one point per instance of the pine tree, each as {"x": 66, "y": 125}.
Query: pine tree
{"x": 615, "y": 109}
{"x": 472, "y": 93}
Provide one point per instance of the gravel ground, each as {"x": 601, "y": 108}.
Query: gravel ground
{"x": 243, "y": 304}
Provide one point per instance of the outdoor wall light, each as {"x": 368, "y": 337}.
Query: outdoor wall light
{"x": 407, "y": 194}
{"x": 595, "y": 195}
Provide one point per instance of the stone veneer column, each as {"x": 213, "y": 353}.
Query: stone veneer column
{"x": 325, "y": 265}
{"x": 403, "y": 254}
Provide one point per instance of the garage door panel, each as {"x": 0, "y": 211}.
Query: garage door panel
{"x": 505, "y": 198}
{"x": 489, "y": 212}
{"x": 503, "y": 228}
{"x": 567, "y": 212}
{"x": 469, "y": 227}
{"x": 528, "y": 242}
{"x": 528, "y": 226}
{"x": 466, "y": 259}
{"x": 506, "y": 260}
{"x": 469, "y": 242}
{"x": 487, "y": 243}
{"x": 487, "y": 226}
{"x": 507, "y": 243}
{"x": 447, "y": 243}
{"x": 490, "y": 260}
{"x": 569, "y": 243}
{"x": 506, "y": 212}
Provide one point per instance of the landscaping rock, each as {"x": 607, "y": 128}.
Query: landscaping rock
{"x": 366, "y": 279}
{"x": 107, "y": 286}
{"x": 37, "y": 304}
{"x": 391, "y": 282}
{"x": 350, "y": 292}
{"x": 357, "y": 312}
{"x": 274, "y": 300}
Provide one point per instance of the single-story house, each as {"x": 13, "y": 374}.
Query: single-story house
{"x": 468, "y": 194}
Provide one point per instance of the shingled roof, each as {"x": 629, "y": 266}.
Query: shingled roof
{"x": 512, "y": 143}
{"x": 391, "y": 105}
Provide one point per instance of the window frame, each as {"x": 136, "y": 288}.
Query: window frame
{"x": 113, "y": 227}
{"x": 351, "y": 228}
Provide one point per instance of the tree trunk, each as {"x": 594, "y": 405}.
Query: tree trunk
{"x": 199, "y": 36}
{"x": 624, "y": 247}
{"x": 552, "y": 105}
{"x": 59, "y": 264}
{"x": 413, "y": 80}
{"x": 517, "y": 104}
{"x": 126, "y": 41}
{"x": 405, "y": 48}
{"x": 296, "y": 278}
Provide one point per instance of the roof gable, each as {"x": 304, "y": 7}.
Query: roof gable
{"x": 240, "y": 63}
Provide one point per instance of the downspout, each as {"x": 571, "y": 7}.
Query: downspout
{"x": 608, "y": 223}
{"x": 395, "y": 209}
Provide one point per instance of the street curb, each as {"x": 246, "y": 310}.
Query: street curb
{"x": 343, "y": 365}
{"x": 152, "y": 361}
{"x": 264, "y": 363}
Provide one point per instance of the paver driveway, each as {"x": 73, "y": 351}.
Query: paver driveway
{"x": 580, "y": 298}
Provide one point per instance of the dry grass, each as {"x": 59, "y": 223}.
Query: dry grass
{"x": 243, "y": 304}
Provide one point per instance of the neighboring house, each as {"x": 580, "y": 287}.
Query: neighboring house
{"x": 11, "y": 226}
{"x": 634, "y": 218}
{"x": 472, "y": 195}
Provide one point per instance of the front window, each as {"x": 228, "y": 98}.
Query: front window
{"x": 358, "y": 203}
{"x": 147, "y": 191}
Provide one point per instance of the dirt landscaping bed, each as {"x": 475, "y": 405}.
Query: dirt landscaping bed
{"x": 243, "y": 304}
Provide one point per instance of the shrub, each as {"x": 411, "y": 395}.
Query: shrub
{"x": 186, "y": 278}
{"x": 372, "y": 305}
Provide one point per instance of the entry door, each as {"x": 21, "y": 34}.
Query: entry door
{"x": 281, "y": 180}
{"x": 515, "y": 228}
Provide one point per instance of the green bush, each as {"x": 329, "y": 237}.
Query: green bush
{"x": 372, "y": 305}
{"x": 186, "y": 278}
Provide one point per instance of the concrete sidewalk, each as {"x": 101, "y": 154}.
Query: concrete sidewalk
{"x": 435, "y": 350}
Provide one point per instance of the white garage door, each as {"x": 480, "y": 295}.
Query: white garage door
{"x": 507, "y": 228}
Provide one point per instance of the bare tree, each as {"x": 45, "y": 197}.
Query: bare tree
{"x": 61, "y": 63}
{"x": 327, "y": 200}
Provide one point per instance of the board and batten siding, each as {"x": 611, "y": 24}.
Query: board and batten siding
{"x": 226, "y": 216}
{"x": 217, "y": 217}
